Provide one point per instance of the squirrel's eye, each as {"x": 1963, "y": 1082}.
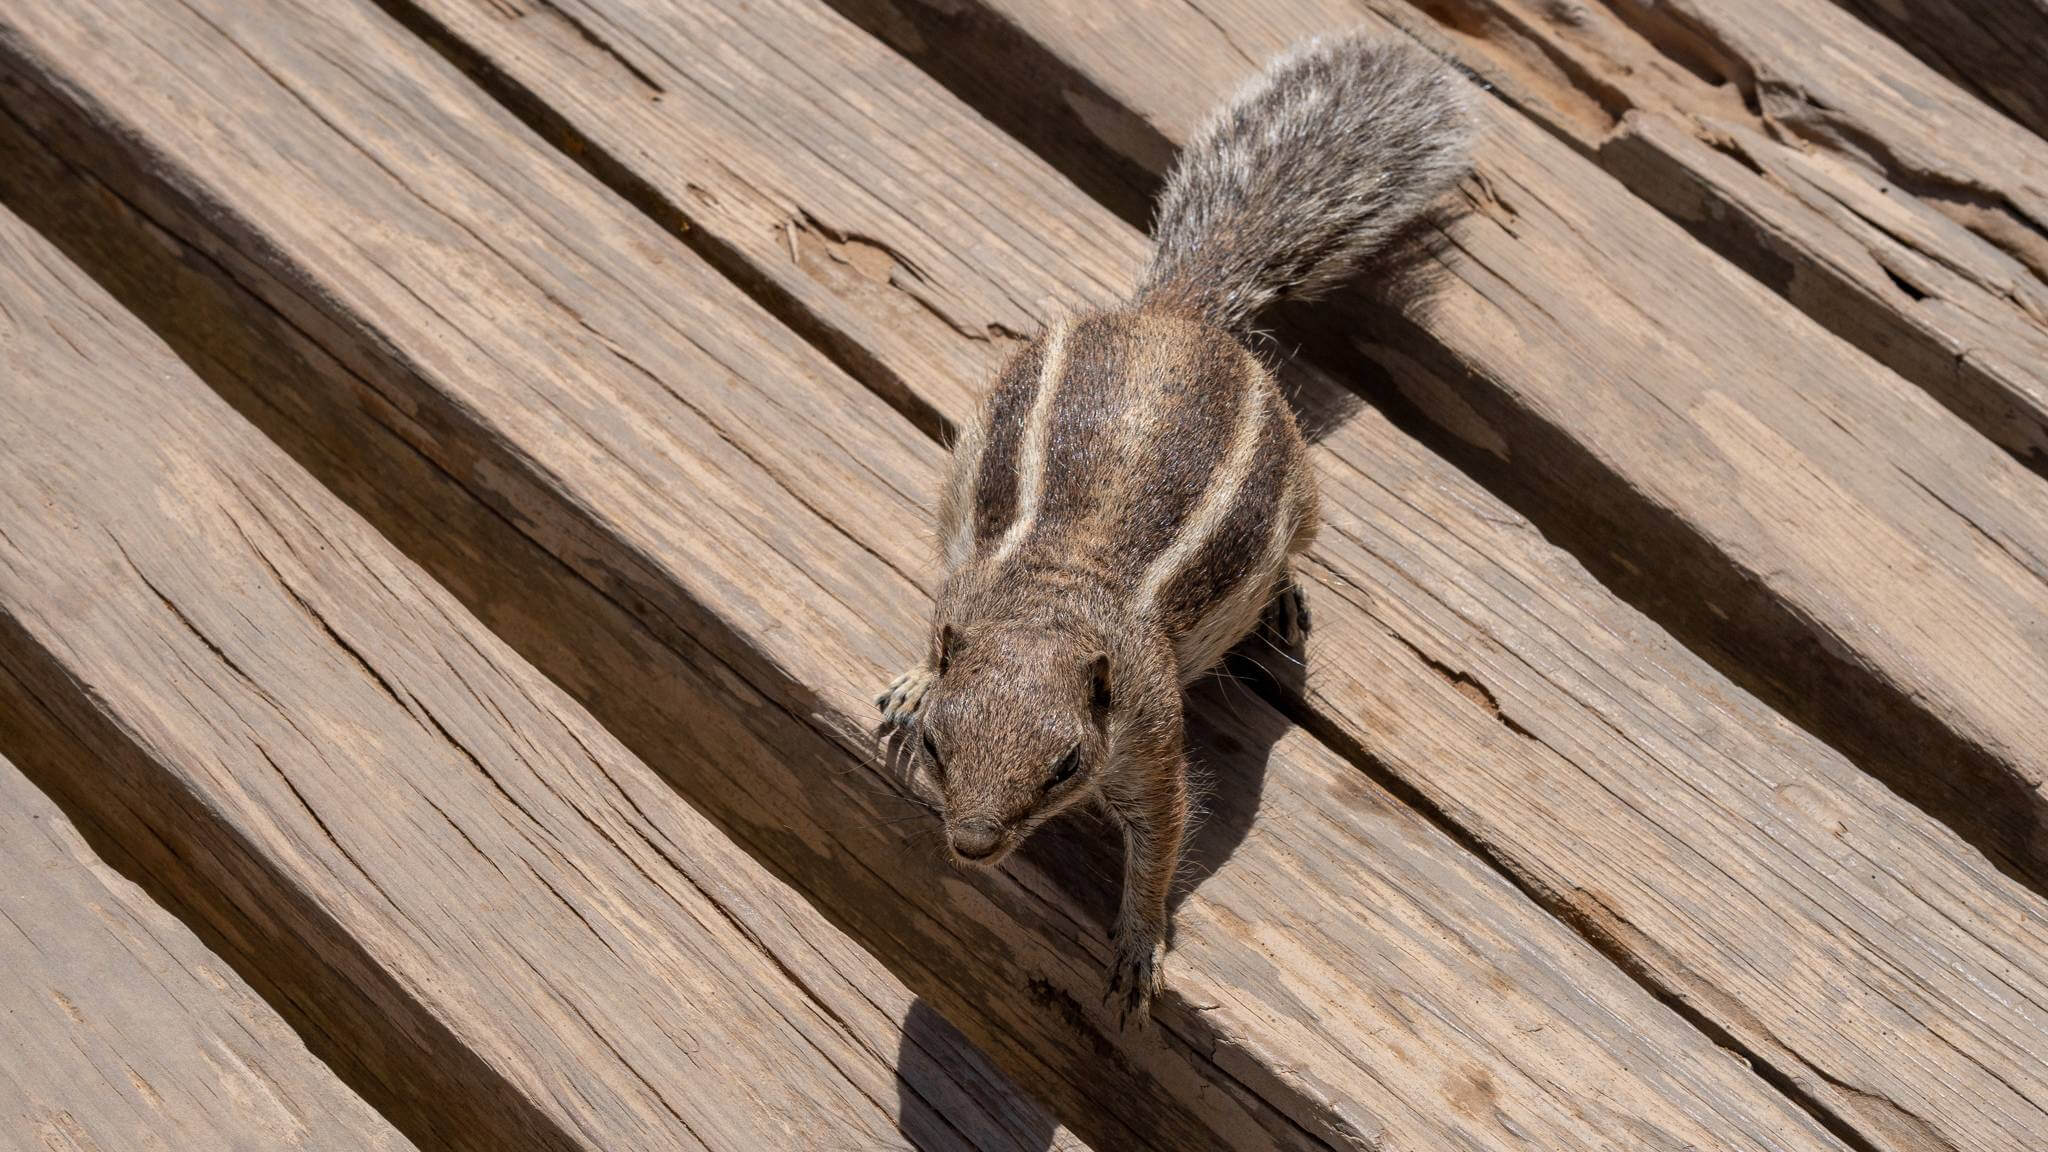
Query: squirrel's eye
{"x": 1069, "y": 764}
{"x": 932, "y": 750}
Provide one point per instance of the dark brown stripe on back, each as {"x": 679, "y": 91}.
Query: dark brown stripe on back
{"x": 1009, "y": 407}
{"x": 1233, "y": 554}
{"x": 1081, "y": 443}
{"x": 1193, "y": 419}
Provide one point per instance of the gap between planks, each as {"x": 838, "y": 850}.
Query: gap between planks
{"x": 124, "y": 1031}
{"x": 1823, "y": 532}
{"x": 623, "y": 128}
{"x": 809, "y": 654}
{"x": 505, "y": 928}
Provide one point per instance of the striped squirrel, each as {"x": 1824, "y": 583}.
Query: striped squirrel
{"x": 1125, "y": 507}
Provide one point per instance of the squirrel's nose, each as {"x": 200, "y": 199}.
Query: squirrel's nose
{"x": 974, "y": 839}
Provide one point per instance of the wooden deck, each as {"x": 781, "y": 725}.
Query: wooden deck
{"x": 465, "y": 466}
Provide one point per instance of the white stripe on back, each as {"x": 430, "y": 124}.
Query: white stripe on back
{"x": 1233, "y": 617}
{"x": 1031, "y": 453}
{"x": 1209, "y": 515}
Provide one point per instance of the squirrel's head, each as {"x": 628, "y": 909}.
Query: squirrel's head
{"x": 1014, "y": 731}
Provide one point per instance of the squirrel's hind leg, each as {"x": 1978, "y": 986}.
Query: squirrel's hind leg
{"x": 1287, "y": 615}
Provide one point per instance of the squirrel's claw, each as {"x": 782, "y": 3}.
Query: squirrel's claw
{"x": 1134, "y": 978}
{"x": 1287, "y": 616}
{"x": 902, "y": 700}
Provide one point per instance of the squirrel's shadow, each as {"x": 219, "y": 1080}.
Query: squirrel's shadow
{"x": 1395, "y": 291}
{"x": 934, "y": 1052}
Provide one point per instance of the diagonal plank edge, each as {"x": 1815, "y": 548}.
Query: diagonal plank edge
{"x": 683, "y": 702}
{"x": 1880, "y": 199}
{"x": 506, "y": 928}
{"x": 1741, "y": 868}
{"x": 124, "y": 1031}
{"x": 1344, "y": 973}
{"x": 1831, "y": 537}
{"x": 1994, "y": 48}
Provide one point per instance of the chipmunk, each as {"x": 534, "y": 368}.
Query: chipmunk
{"x": 1125, "y": 507}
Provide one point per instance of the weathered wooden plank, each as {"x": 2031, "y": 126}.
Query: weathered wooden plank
{"x": 1994, "y": 48}
{"x": 123, "y": 1031}
{"x": 1884, "y": 201}
{"x": 495, "y": 917}
{"x": 1343, "y": 974}
{"x": 773, "y": 770}
{"x": 1640, "y": 795}
{"x": 784, "y": 173}
{"x": 1822, "y": 529}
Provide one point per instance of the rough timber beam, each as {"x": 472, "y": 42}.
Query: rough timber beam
{"x": 123, "y": 1031}
{"x": 507, "y": 930}
{"x": 1345, "y": 973}
{"x": 1739, "y": 866}
{"x": 1821, "y": 528}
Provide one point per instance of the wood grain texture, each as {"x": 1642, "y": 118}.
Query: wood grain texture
{"x": 1993, "y": 48}
{"x": 1344, "y": 974}
{"x": 1428, "y": 620}
{"x": 1830, "y": 536}
{"x": 1884, "y": 201}
{"x": 487, "y": 910}
{"x": 123, "y": 1031}
{"x": 796, "y": 215}
{"x": 1710, "y": 846}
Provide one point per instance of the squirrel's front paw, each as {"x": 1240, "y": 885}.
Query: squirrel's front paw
{"x": 904, "y": 696}
{"x": 1134, "y": 977}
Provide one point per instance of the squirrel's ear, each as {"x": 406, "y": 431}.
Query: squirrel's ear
{"x": 945, "y": 647}
{"x": 1098, "y": 678}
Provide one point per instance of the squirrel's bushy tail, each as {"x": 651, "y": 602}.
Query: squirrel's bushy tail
{"x": 1311, "y": 167}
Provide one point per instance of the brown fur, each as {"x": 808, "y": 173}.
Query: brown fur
{"x": 1124, "y": 508}
{"x": 1144, "y": 418}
